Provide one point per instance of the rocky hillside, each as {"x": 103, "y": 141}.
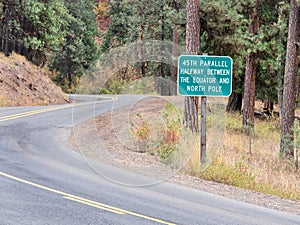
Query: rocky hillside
{"x": 22, "y": 83}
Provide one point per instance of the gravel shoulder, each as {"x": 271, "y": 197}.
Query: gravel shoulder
{"x": 107, "y": 138}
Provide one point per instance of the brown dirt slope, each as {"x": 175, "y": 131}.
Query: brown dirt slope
{"x": 23, "y": 84}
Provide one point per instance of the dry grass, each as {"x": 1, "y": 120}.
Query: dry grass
{"x": 252, "y": 162}
{"x": 4, "y": 101}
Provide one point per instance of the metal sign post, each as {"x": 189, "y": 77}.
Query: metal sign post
{"x": 203, "y": 130}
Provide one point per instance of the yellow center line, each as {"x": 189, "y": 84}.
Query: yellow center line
{"x": 29, "y": 113}
{"x": 99, "y": 206}
{"x": 87, "y": 201}
{"x": 64, "y": 194}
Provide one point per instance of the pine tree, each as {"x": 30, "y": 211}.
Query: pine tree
{"x": 33, "y": 28}
{"x": 290, "y": 75}
{"x": 250, "y": 73}
{"x": 79, "y": 50}
{"x": 118, "y": 32}
{"x": 224, "y": 27}
{"x": 138, "y": 23}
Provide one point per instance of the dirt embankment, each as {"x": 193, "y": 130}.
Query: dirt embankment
{"x": 23, "y": 84}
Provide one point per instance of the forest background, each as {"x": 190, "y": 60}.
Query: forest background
{"x": 68, "y": 37}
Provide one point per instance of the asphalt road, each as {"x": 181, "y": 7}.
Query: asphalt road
{"x": 42, "y": 181}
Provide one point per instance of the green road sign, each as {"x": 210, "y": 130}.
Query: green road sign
{"x": 202, "y": 75}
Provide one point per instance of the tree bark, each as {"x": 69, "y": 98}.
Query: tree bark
{"x": 175, "y": 53}
{"x": 279, "y": 86}
{"x": 164, "y": 89}
{"x": 191, "y": 113}
{"x": 298, "y": 90}
{"x": 1, "y": 35}
{"x": 289, "y": 87}
{"x": 250, "y": 76}
{"x": 174, "y": 61}
{"x": 140, "y": 51}
{"x": 190, "y": 119}
{"x": 235, "y": 102}
{"x": 6, "y": 10}
{"x": 162, "y": 37}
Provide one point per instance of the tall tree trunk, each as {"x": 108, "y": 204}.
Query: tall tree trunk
{"x": 289, "y": 88}
{"x": 162, "y": 36}
{"x": 175, "y": 53}
{"x": 250, "y": 75}
{"x": 1, "y": 36}
{"x": 249, "y": 92}
{"x": 174, "y": 61}
{"x": 164, "y": 90}
{"x": 191, "y": 113}
{"x": 298, "y": 89}
{"x": 69, "y": 63}
{"x": 192, "y": 48}
{"x": 268, "y": 105}
{"x": 6, "y": 10}
{"x": 279, "y": 85}
{"x": 235, "y": 102}
{"x": 140, "y": 51}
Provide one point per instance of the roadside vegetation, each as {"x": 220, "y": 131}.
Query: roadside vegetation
{"x": 69, "y": 38}
{"x": 159, "y": 136}
{"x": 250, "y": 162}
{"x": 253, "y": 162}
{"x": 3, "y": 101}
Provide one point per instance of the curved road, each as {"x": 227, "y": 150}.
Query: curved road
{"x": 42, "y": 181}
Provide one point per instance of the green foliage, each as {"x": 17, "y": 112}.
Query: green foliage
{"x": 263, "y": 128}
{"x": 166, "y": 141}
{"x": 233, "y": 123}
{"x": 296, "y": 130}
{"x": 224, "y": 31}
{"x": 102, "y": 10}
{"x": 113, "y": 86}
{"x": 171, "y": 134}
{"x": 143, "y": 131}
{"x": 33, "y": 28}
{"x": 118, "y": 30}
{"x": 133, "y": 21}
{"x": 79, "y": 50}
{"x": 238, "y": 175}
{"x": 58, "y": 33}
{"x": 272, "y": 36}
